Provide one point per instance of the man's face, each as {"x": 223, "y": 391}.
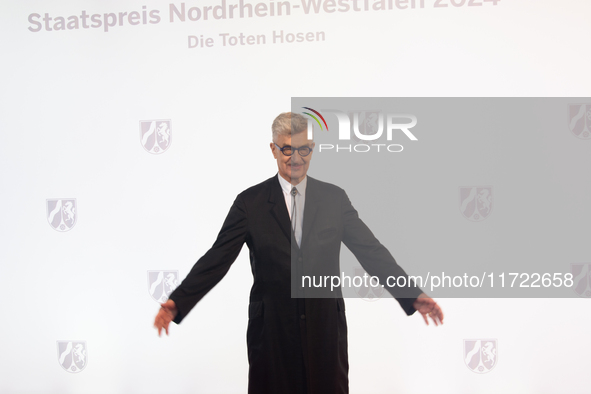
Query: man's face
{"x": 292, "y": 168}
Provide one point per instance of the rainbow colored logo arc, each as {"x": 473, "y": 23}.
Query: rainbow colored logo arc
{"x": 315, "y": 118}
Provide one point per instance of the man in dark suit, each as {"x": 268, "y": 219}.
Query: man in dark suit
{"x": 294, "y": 226}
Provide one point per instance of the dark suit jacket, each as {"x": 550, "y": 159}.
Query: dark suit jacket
{"x": 295, "y": 345}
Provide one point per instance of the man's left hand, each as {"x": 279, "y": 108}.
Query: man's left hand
{"x": 428, "y": 308}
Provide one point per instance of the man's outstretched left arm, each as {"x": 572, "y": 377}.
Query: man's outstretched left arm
{"x": 378, "y": 261}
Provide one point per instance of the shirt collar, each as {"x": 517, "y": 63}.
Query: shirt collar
{"x": 286, "y": 186}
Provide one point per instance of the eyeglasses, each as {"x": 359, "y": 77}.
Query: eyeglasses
{"x": 288, "y": 150}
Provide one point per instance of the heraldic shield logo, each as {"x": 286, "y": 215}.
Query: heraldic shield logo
{"x": 367, "y": 292}
{"x": 72, "y": 355}
{"x": 579, "y": 120}
{"x": 582, "y": 279}
{"x": 366, "y": 123}
{"x": 61, "y": 213}
{"x": 161, "y": 284}
{"x": 476, "y": 202}
{"x": 156, "y": 135}
{"x": 480, "y": 355}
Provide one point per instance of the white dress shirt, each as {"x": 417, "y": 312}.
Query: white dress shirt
{"x": 300, "y": 201}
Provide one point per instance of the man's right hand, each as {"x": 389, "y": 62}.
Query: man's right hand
{"x": 165, "y": 315}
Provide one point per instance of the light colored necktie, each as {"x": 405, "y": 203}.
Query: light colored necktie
{"x": 294, "y": 212}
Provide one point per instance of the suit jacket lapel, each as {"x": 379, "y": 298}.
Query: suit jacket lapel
{"x": 278, "y": 207}
{"x": 310, "y": 208}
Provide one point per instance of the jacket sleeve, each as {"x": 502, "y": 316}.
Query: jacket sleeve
{"x": 214, "y": 265}
{"x": 374, "y": 257}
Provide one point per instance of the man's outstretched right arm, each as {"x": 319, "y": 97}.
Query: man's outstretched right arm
{"x": 210, "y": 268}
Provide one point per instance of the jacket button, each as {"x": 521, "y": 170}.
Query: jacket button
{"x": 299, "y": 259}
{"x": 303, "y": 317}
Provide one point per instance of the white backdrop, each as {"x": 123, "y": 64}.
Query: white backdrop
{"x": 72, "y": 101}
